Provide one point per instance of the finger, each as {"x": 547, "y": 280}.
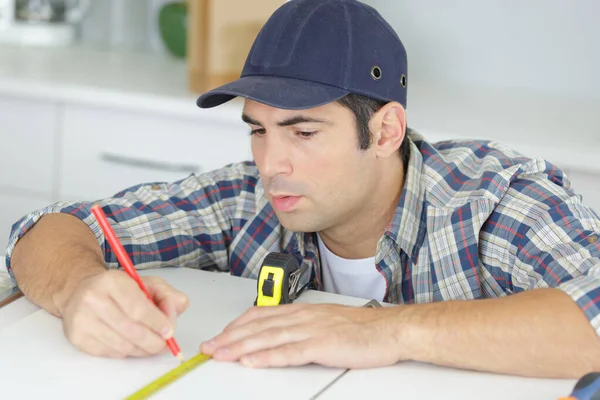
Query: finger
{"x": 265, "y": 340}
{"x": 113, "y": 340}
{"x": 136, "y": 334}
{"x": 137, "y": 307}
{"x": 256, "y": 313}
{"x": 287, "y": 317}
{"x": 102, "y": 309}
{"x": 287, "y": 355}
{"x": 249, "y": 329}
{"x": 87, "y": 332}
{"x": 95, "y": 347}
{"x": 148, "y": 341}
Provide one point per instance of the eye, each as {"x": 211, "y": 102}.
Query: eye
{"x": 306, "y": 134}
{"x": 258, "y": 131}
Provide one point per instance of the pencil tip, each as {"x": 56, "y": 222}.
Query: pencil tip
{"x": 180, "y": 357}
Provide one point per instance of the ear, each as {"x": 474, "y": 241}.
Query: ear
{"x": 388, "y": 125}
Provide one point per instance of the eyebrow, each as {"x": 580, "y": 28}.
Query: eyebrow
{"x": 287, "y": 122}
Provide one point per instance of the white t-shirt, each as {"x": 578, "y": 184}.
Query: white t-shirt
{"x": 357, "y": 278}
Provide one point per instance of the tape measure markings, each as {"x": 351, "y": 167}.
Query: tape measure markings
{"x": 169, "y": 377}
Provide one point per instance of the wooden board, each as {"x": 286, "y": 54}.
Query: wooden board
{"x": 220, "y": 35}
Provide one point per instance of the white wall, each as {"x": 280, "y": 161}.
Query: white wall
{"x": 546, "y": 45}
{"x": 525, "y": 73}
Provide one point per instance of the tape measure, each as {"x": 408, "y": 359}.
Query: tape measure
{"x": 278, "y": 280}
{"x": 169, "y": 377}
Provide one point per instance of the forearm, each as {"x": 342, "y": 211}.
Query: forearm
{"x": 52, "y": 257}
{"x": 539, "y": 333}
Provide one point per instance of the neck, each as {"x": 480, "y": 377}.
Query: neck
{"x": 359, "y": 237}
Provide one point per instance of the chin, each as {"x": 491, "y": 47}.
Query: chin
{"x": 297, "y": 222}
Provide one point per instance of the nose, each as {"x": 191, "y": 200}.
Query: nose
{"x": 271, "y": 154}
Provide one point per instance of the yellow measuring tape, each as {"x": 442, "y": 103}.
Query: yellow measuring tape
{"x": 169, "y": 377}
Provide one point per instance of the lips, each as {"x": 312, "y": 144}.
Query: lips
{"x": 285, "y": 203}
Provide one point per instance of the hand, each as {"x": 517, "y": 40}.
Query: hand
{"x": 109, "y": 315}
{"x": 296, "y": 334}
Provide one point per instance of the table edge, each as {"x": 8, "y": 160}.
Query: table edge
{"x": 10, "y": 295}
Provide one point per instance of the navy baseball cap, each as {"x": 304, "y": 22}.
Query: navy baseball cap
{"x": 313, "y": 52}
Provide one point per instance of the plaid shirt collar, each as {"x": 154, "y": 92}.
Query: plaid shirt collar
{"x": 408, "y": 226}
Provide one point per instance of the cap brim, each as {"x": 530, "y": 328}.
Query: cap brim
{"x": 279, "y": 92}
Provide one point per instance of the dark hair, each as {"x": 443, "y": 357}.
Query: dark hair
{"x": 363, "y": 108}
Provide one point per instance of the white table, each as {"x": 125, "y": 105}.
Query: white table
{"x": 16, "y": 310}
{"x": 37, "y": 361}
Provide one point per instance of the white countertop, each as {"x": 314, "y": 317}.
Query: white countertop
{"x": 137, "y": 81}
{"x": 562, "y": 128}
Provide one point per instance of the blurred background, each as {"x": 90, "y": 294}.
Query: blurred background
{"x": 99, "y": 95}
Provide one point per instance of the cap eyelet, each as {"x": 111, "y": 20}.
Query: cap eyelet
{"x": 403, "y": 80}
{"x": 376, "y": 72}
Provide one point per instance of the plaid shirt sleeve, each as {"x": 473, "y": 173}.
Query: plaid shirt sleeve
{"x": 556, "y": 241}
{"x": 184, "y": 223}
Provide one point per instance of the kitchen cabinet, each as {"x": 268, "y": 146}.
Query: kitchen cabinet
{"x": 27, "y": 143}
{"x": 105, "y": 150}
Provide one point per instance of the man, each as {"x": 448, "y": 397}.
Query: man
{"x": 491, "y": 258}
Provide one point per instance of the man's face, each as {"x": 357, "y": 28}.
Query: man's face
{"x": 314, "y": 174}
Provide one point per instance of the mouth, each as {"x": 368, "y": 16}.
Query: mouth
{"x": 285, "y": 202}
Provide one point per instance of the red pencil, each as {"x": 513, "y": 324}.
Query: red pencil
{"x": 128, "y": 265}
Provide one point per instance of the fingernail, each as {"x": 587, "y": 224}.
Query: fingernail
{"x": 222, "y": 352}
{"x": 208, "y": 347}
{"x": 248, "y": 361}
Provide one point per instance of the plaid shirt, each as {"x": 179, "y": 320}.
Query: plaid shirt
{"x": 475, "y": 220}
